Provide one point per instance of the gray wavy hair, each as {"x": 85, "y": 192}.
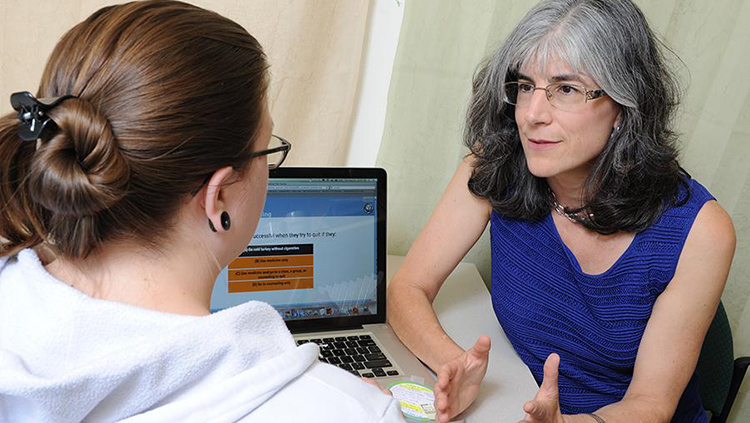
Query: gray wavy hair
{"x": 611, "y": 42}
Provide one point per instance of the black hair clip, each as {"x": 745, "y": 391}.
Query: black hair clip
{"x": 32, "y": 113}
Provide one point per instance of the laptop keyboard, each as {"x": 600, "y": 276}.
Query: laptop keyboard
{"x": 358, "y": 354}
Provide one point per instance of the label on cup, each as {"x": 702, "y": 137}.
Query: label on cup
{"x": 417, "y": 401}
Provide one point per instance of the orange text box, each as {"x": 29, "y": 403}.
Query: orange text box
{"x": 270, "y": 285}
{"x": 271, "y": 261}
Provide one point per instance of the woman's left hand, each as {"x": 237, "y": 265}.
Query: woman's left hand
{"x": 545, "y": 407}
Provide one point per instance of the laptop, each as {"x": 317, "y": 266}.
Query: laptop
{"x": 318, "y": 257}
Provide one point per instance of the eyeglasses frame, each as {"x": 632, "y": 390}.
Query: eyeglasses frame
{"x": 285, "y": 147}
{"x": 587, "y": 93}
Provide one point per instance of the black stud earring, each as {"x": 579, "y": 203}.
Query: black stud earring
{"x": 226, "y": 223}
{"x": 211, "y": 225}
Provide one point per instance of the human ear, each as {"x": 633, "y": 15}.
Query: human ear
{"x": 618, "y": 121}
{"x": 215, "y": 200}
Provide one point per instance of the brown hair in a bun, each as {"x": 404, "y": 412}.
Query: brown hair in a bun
{"x": 167, "y": 93}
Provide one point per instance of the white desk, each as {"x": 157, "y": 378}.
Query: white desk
{"x": 464, "y": 308}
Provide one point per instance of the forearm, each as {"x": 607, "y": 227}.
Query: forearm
{"x": 628, "y": 410}
{"x": 411, "y": 315}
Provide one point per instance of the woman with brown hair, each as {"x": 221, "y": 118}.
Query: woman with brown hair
{"x": 135, "y": 177}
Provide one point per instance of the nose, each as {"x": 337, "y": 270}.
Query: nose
{"x": 538, "y": 111}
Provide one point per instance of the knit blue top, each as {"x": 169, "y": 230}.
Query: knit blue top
{"x": 545, "y": 303}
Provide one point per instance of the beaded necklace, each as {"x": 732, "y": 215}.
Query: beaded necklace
{"x": 575, "y": 217}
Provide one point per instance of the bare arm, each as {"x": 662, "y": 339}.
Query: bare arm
{"x": 455, "y": 225}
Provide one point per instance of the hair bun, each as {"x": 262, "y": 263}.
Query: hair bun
{"x": 80, "y": 171}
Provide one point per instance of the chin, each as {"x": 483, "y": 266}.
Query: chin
{"x": 541, "y": 169}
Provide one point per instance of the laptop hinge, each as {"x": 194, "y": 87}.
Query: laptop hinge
{"x": 324, "y": 329}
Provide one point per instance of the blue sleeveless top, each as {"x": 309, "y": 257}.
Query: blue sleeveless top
{"x": 545, "y": 303}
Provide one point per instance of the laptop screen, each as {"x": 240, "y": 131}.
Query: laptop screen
{"x": 315, "y": 252}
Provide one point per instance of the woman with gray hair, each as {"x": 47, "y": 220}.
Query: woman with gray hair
{"x": 608, "y": 259}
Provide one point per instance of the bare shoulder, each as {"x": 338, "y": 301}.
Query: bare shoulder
{"x": 705, "y": 260}
{"x": 466, "y": 167}
{"x": 712, "y": 230}
{"x": 458, "y": 193}
{"x": 468, "y": 163}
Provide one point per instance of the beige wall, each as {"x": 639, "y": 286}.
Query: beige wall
{"x": 314, "y": 48}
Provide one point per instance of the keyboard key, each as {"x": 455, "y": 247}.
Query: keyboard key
{"x": 350, "y": 351}
{"x": 327, "y": 340}
{"x": 336, "y": 360}
{"x": 373, "y": 364}
{"x": 374, "y": 349}
{"x": 359, "y": 358}
{"x": 338, "y": 353}
{"x": 326, "y": 353}
{"x": 346, "y": 366}
{"x": 358, "y": 366}
{"x": 346, "y": 359}
{"x": 303, "y": 341}
{"x": 362, "y": 350}
{"x": 352, "y": 338}
{"x": 341, "y": 338}
{"x": 368, "y": 375}
{"x": 339, "y": 345}
{"x": 322, "y": 360}
{"x": 366, "y": 342}
{"x": 317, "y": 341}
{"x": 364, "y": 337}
{"x": 392, "y": 372}
{"x": 378, "y": 372}
{"x": 354, "y": 372}
{"x": 351, "y": 344}
{"x": 373, "y": 357}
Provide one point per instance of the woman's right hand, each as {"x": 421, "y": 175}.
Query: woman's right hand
{"x": 459, "y": 380}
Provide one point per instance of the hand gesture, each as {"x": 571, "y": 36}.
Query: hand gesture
{"x": 459, "y": 379}
{"x": 545, "y": 407}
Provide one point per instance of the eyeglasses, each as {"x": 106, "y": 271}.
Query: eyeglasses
{"x": 561, "y": 95}
{"x": 277, "y": 150}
